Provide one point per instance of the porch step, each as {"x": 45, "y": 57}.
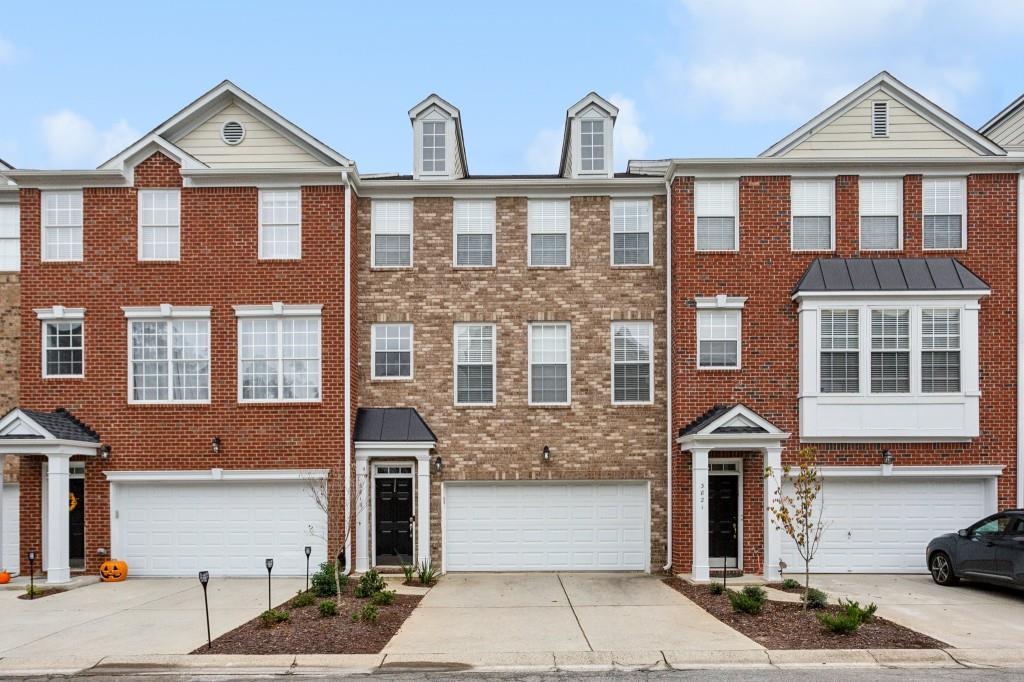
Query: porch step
{"x": 22, "y": 581}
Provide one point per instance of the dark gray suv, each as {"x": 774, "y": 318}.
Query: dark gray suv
{"x": 991, "y": 550}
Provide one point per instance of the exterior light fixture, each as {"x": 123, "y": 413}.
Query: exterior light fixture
{"x": 308, "y": 550}
{"x": 888, "y": 459}
{"x": 31, "y": 575}
{"x": 215, "y": 445}
{"x": 204, "y": 578}
{"x": 546, "y": 454}
{"x": 270, "y": 567}
{"x": 438, "y": 464}
{"x": 104, "y": 451}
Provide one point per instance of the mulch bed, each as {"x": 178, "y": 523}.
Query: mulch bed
{"x": 788, "y": 626}
{"x": 309, "y": 633}
{"x": 42, "y": 592}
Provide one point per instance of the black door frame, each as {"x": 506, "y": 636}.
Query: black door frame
{"x": 374, "y": 475}
{"x": 720, "y": 562}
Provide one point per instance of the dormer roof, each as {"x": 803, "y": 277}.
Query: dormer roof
{"x": 1007, "y": 127}
{"x": 591, "y": 101}
{"x": 433, "y": 102}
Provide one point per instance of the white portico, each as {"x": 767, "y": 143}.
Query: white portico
{"x": 729, "y": 430}
{"x": 58, "y": 436}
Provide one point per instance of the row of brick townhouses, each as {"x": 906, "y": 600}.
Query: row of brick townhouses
{"x": 587, "y": 370}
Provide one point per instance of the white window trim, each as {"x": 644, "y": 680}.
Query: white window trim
{"x": 605, "y": 136}
{"x": 16, "y": 239}
{"x": 259, "y": 229}
{"x": 650, "y": 233}
{"x": 422, "y": 123}
{"x": 494, "y": 363}
{"x": 568, "y": 364}
{"x": 831, "y": 216}
{"x": 493, "y": 233}
{"x": 412, "y": 237}
{"x": 899, "y": 215}
{"x": 888, "y": 119}
{"x": 721, "y": 302}
{"x": 650, "y": 326}
{"x": 963, "y": 208}
{"x": 166, "y": 312}
{"x": 735, "y": 215}
{"x": 59, "y": 313}
{"x": 139, "y": 225}
{"x": 42, "y": 226}
{"x": 277, "y": 311}
{"x": 373, "y": 351}
{"x": 530, "y": 233}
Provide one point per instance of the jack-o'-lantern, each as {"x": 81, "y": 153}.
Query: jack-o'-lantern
{"x": 5, "y": 577}
{"x": 113, "y": 571}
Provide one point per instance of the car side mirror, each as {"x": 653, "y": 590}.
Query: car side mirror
{"x": 963, "y": 533}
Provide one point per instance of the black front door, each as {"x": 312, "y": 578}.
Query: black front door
{"x": 393, "y": 512}
{"x": 723, "y": 518}
{"x": 76, "y": 522}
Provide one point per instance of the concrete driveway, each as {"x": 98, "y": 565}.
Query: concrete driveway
{"x": 561, "y": 612}
{"x": 970, "y": 616}
{"x": 138, "y": 616}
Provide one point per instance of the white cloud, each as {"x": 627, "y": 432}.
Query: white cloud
{"x": 544, "y": 151}
{"x": 72, "y": 140}
{"x": 631, "y": 142}
{"x": 7, "y": 52}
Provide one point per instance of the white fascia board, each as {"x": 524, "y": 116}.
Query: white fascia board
{"x": 261, "y": 177}
{"x": 514, "y": 187}
{"x": 48, "y": 446}
{"x": 278, "y": 309}
{"x": 369, "y": 449}
{"x": 68, "y": 179}
{"x": 957, "y": 295}
{"x": 735, "y": 441}
{"x": 59, "y": 312}
{"x": 830, "y": 167}
{"x": 166, "y": 310}
{"x": 897, "y": 471}
{"x": 216, "y": 474}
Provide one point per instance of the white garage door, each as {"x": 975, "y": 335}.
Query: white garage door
{"x": 226, "y": 528}
{"x": 882, "y": 525}
{"x": 11, "y": 529}
{"x": 578, "y": 526}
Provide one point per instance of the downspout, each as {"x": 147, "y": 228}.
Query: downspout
{"x": 668, "y": 372}
{"x": 347, "y": 371}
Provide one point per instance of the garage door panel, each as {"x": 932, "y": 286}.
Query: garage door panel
{"x": 544, "y": 527}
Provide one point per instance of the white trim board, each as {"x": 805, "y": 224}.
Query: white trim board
{"x": 215, "y": 475}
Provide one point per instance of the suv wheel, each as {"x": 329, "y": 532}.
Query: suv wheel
{"x": 941, "y": 569}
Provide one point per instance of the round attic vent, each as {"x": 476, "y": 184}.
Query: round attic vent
{"x": 232, "y": 132}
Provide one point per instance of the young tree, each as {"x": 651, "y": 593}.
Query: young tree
{"x": 319, "y": 489}
{"x": 800, "y": 515}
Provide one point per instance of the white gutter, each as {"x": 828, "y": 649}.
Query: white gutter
{"x": 668, "y": 374}
{"x": 347, "y": 371}
{"x": 1020, "y": 347}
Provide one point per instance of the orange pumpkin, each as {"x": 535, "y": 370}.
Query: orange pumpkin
{"x": 113, "y": 571}
{"x": 5, "y": 577}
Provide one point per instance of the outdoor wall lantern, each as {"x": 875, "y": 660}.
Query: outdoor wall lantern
{"x": 104, "y": 452}
{"x": 215, "y": 445}
{"x": 546, "y": 455}
{"x": 438, "y": 464}
{"x": 888, "y": 458}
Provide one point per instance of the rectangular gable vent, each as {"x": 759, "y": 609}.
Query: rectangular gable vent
{"x": 879, "y": 119}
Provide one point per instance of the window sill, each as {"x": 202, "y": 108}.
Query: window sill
{"x": 60, "y": 377}
{"x": 391, "y": 379}
{"x": 263, "y": 259}
{"x": 169, "y": 403}
{"x": 719, "y": 369}
{"x": 158, "y": 261}
{"x": 474, "y": 267}
{"x": 633, "y": 266}
{"x": 462, "y": 406}
{"x": 718, "y": 251}
{"x": 549, "y": 267}
{"x": 550, "y": 406}
{"x": 390, "y": 268}
{"x": 647, "y": 403}
{"x": 280, "y": 403}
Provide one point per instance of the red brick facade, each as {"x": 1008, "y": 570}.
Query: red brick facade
{"x": 765, "y": 270}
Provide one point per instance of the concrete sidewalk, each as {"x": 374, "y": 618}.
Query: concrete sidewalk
{"x": 529, "y": 662}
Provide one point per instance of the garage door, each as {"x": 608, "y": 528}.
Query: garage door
{"x": 882, "y": 525}
{"x": 579, "y": 526}
{"x": 229, "y": 529}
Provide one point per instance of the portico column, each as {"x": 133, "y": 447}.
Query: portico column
{"x": 772, "y": 534}
{"x": 362, "y": 515}
{"x": 699, "y": 464}
{"x": 3, "y": 538}
{"x": 58, "y": 561}
{"x": 423, "y": 509}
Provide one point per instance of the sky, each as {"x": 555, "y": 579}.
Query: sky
{"x": 691, "y": 78}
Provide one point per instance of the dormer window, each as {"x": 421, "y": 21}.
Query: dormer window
{"x": 592, "y": 144}
{"x": 433, "y": 147}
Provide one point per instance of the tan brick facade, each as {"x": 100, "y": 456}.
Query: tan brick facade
{"x": 592, "y": 439}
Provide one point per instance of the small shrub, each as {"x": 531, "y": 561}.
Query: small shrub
{"x": 370, "y": 583}
{"x": 272, "y": 617}
{"x": 426, "y": 573}
{"x": 853, "y": 608}
{"x": 744, "y": 603}
{"x": 842, "y": 623}
{"x": 368, "y": 614}
{"x": 303, "y": 599}
{"x": 790, "y": 584}
{"x": 322, "y": 583}
{"x": 756, "y": 593}
{"x": 33, "y": 591}
{"x": 716, "y": 588}
{"x": 383, "y": 598}
{"x": 328, "y": 608}
{"x": 408, "y": 570}
{"x": 816, "y": 599}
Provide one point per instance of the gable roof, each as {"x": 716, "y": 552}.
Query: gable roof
{"x": 4, "y": 165}
{"x": 910, "y": 98}
{"x": 736, "y": 419}
{"x": 60, "y": 424}
{"x": 590, "y": 99}
{"x": 1007, "y": 111}
{"x": 435, "y": 100}
{"x": 213, "y": 101}
{"x": 392, "y": 425}
{"x": 888, "y": 274}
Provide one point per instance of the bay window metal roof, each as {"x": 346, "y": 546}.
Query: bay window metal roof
{"x": 888, "y": 274}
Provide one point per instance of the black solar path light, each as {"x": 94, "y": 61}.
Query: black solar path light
{"x": 308, "y": 550}
{"x": 204, "y": 578}
{"x": 270, "y": 567}
{"x": 31, "y": 575}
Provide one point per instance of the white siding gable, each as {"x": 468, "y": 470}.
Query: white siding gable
{"x": 1009, "y": 132}
{"x": 262, "y": 146}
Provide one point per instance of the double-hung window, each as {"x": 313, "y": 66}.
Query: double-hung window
{"x": 391, "y": 224}
{"x": 10, "y": 238}
{"x": 632, "y": 362}
{"x": 392, "y": 351}
{"x": 812, "y": 202}
{"x": 548, "y": 225}
{"x": 62, "y": 226}
{"x": 474, "y": 232}
{"x": 940, "y": 350}
{"x": 280, "y": 224}
{"x": 718, "y": 338}
{"x": 434, "y": 147}
{"x": 549, "y": 363}
{"x": 63, "y": 341}
{"x": 278, "y": 353}
{"x": 840, "y": 356}
{"x": 169, "y": 355}
{"x": 716, "y": 211}
{"x": 159, "y": 224}
{"x": 632, "y": 242}
{"x": 592, "y": 144}
{"x": 474, "y": 364}
{"x": 945, "y": 213}
{"x": 881, "y": 220}
{"x": 890, "y": 350}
